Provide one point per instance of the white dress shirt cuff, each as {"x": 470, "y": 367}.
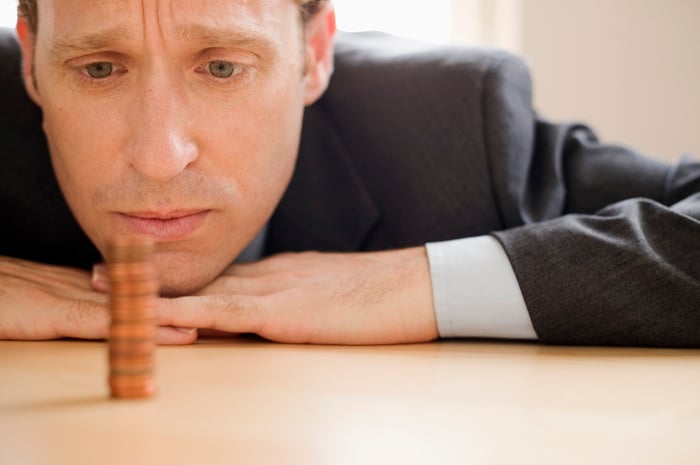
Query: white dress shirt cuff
{"x": 475, "y": 291}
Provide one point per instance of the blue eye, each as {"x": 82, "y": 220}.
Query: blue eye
{"x": 99, "y": 70}
{"x": 222, "y": 69}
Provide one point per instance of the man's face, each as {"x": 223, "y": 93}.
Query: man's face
{"x": 178, "y": 119}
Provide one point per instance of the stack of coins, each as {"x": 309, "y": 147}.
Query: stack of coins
{"x": 132, "y": 331}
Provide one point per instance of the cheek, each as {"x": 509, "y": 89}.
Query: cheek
{"x": 261, "y": 143}
{"x": 80, "y": 153}
{"x": 79, "y": 145}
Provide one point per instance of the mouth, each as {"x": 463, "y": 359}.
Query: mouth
{"x": 163, "y": 226}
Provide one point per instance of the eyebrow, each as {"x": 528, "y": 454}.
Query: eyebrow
{"x": 197, "y": 33}
{"x": 89, "y": 42}
{"x": 223, "y": 37}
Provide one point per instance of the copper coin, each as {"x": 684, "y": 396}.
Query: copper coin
{"x": 134, "y": 272}
{"x": 124, "y": 249}
{"x": 134, "y": 301}
{"x": 131, "y": 371}
{"x": 145, "y": 306}
{"x": 129, "y": 388}
{"x": 142, "y": 268}
{"x": 117, "y": 363}
{"x": 138, "y": 330}
{"x": 132, "y": 318}
{"x": 132, "y": 331}
{"x": 131, "y": 310}
{"x": 131, "y": 347}
{"x": 134, "y": 305}
{"x": 120, "y": 288}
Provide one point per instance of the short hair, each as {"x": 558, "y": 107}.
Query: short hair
{"x": 27, "y": 9}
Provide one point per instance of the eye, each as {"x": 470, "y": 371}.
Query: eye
{"x": 222, "y": 69}
{"x": 99, "y": 70}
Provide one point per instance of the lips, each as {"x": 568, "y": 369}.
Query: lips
{"x": 163, "y": 226}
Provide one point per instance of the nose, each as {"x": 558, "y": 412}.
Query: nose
{"x": 161, "y": 142}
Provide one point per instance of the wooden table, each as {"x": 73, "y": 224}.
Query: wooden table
{"x": 246, "y": 401}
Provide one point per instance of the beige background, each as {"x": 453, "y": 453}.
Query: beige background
{"x": 628, "y": 68}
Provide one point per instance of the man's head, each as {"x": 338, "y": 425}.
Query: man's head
{"x": 175, "y": 118}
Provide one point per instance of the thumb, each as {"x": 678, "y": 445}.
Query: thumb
{"x": 169, "y": 335}
{"x": 228, "y": 313}
{"x": 100, "y": 279}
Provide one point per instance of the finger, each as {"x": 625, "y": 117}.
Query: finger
{"x": 85, "y": 320}
{"x": 168, "y": 335}
{"x": 215, "y": 333}
{"x": 229, "y": 313}
{"x": 88, "y": 320}
{"x": 99, "y": 281}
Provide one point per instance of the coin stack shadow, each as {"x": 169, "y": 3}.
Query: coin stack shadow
{"x": 132, "y": 330}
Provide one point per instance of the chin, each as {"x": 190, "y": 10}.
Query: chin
{"x": 184, "y": 280}
{"x": 177, "y": 288}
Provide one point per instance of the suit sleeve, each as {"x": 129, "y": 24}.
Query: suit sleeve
{"x": 605, "y": 242}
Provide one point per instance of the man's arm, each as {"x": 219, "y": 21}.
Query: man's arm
{"x": 594, "y": 266}
{"x": 604, "y": 247}
{"x": 628, "y": 275}
{"x": 320, "y": 298}
{"x": 40, "y": 302}
{"x": 605, "y": 243}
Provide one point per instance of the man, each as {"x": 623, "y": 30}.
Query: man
{"x": 182, "y": 121}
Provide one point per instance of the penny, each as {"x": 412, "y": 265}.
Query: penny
{"x": 133, "y": 288}
{"x": 136, "y": 387}
{"x": 140, "y": 329}
{"x": 128, "y": 349}
{"x": 133, "y": 326}
{"x": 117, "y": 364}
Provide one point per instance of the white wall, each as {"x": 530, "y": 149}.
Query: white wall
{"x": 629, "y": 68}
{"x": 8, "y": 13}
{"x": 487, "y": 22}
{"x": 397, "y": 17}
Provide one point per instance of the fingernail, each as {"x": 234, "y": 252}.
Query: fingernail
{"x": 99, "y": 275}
{"x": 186, "y": 330}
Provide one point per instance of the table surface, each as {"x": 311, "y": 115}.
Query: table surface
{"x": 247, "y": 401}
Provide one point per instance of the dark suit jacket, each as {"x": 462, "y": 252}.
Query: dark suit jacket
{"x": 415, "y": 143}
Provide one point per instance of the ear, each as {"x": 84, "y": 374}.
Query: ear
{"x": 320, "y": 32}
{"x": 27, "y": 42}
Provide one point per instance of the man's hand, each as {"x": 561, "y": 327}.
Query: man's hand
{"x": 310, "y": 297}
{"x": 39, "y": 302}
